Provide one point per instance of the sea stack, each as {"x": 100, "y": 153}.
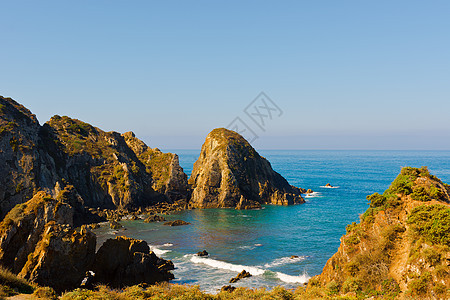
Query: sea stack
{"x": 229, "y": 171}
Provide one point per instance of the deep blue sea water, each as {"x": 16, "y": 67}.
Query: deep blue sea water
{"x": 262, "y": 241}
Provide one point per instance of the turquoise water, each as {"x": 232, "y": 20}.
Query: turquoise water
{"x": 262, "y": 241}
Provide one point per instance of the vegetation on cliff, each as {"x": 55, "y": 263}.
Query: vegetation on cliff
{"x": 400, "y": 247}
{"x": 106, "y": 169}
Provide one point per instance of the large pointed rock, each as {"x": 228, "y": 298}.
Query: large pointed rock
{"x": 229, "y": 168}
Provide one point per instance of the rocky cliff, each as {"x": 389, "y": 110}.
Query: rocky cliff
{"x": 230, "y": 173}
{"x": 106, "y": 169}
{"x": 401, "y": 247}
{"x": 39, "y": 243}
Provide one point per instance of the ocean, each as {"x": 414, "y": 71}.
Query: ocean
{"x": 263, "y": 241}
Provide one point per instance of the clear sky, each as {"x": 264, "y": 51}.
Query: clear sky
{"x": 346, "y": 74}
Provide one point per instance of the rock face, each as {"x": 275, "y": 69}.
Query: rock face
{"x": 105, "y": 169}
{"x": 229, "y": 171}
{"x": 37, "y": 242}
{"x": 61, "y": 257}
{"x": 123, "y": 261}
{"x": 401, "y": 247}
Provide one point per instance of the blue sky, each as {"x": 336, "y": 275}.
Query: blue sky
{"x": 346, "y": 74}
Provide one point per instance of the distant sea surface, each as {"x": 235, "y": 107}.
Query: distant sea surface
{"x": 263, "y": 241}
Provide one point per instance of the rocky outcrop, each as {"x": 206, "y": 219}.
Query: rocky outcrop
{"x": 154, "y": 218}
{"x": 104, "y": 169}
{"x": 401, "y": 246}
{"x": 229, "y": 168}
{"x": 19, "y": 155}
{"x": 61, "y": 257}
{"x": 176, "y": 223}
{"x": 24, "y": 225}
{"x": 38, "y": 243}
{"x": 123, "y": 261}
{"x": 242, "y": 275}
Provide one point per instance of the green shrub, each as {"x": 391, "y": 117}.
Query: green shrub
{"x": 332, "y": 288}
{"x": 432, "y": 222}
{"x": 10, "y": 280}
{"x": 432, "y": 256}
{"x": 420, "y": 194}
{"x": 351, "y": 285}
{"x": 376, "y": 200}
{"x": 45, "y": 293}
{"x": 419, "y": 286}
{"x": 390, "y": 287}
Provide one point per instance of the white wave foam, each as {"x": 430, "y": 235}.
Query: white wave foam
{"x": 329, "y": 187}
{"x": 284, "y": 261}
{"x": 226, "y": 266}
{"x": 168, "y": 245}
{"x": 293, "y": 279}
{"x": 159, "y": 252}
{"x": 247, "y": 247}
{"x": 312, "y": 195}
{"x": 258, "y": 245}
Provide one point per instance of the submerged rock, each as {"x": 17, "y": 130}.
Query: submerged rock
{"x": 177, "y": 223}
{"x": 154, "y": 218}
{"x": 229, "y": 168}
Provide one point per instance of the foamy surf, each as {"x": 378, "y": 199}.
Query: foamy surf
{"x": 329, "y": 187}
{"x": 312, "y": 195}
{"x": 159, "y": 252}
{"x": 168, "y": 245}
{"x": 293, "y": 279}
{"x": 284, "y": 261}
{"x": 226, "y": 266}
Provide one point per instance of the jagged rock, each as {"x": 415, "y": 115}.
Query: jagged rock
{"x": 60, "y": 257}
{"x": 38, "y": 242}
{"x": 202, "y": 253}
{"x": 176, "y": 223}
{"x": 243, "y": 274}
{"x": 20, "y": 166}
{"x": 105, "y": 169}
{"x": 124, "y": 261}
{"x": 228, "y": 288}
{"x": 328, "y": 185}
{"x": 247, "y": 204}
{"x": 154, "y": 218}
{"x": 294, "y": 256}
{"x": 229, "y": 167}
{"x": 401, "y": 243}
{"x": 309, "y": 191}
{"x": 23, "y": 226}
{"x": 115, "y": 225}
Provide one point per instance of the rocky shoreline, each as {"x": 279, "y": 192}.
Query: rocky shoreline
{"x": 59, "y": 180}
